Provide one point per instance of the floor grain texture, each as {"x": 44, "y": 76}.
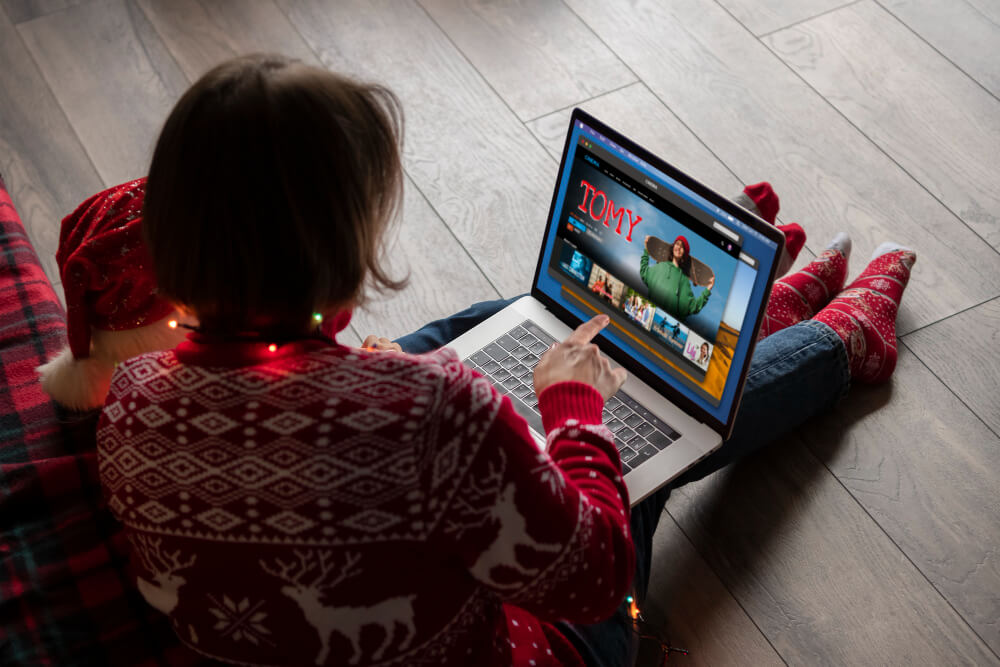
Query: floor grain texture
{"x": 201, "y": 35}
{"x": 764, "y": 16}
{"x": 696, "y": 610}
{"x": 870, "y": 535}
{"x": 504, "y": 41}
{"x": 933, "y": 120}
{"x": 966, "y": 32}
{"x": 42, "y": 160}
{"x": 820, "y": 578}
{"x": 962, "y": 352}
{"x": 25, "y": 10}
{"x": 922, "y": 466}
{"x": 106, "y": 81}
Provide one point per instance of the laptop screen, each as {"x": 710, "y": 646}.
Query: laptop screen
{"x": 681, "y": 278}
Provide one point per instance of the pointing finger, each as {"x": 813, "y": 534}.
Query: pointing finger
{"x": 586, "y": 331}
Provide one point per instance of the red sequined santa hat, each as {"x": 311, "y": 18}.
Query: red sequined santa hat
{"x": 113, "y": 311}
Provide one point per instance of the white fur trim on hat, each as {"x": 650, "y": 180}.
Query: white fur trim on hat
{"x": 78, "y": 384}
{"x": 82, "y": 384}
{"x": 117, "y": 346}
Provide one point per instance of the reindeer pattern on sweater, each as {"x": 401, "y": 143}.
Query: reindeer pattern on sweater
{"x": 327, "y": 505}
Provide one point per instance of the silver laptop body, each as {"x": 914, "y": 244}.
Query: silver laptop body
{"x": 584, "y": 253}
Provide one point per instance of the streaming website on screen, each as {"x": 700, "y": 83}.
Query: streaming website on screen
{"x": 677, "y": 278}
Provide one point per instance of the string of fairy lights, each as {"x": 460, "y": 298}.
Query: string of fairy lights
{"x": 273, "y": 347}
{"x": 640, "y": 626}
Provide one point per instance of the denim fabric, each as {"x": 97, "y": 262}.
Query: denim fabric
{"x": 795, "y": 374}
{"x": 436, "y": 334}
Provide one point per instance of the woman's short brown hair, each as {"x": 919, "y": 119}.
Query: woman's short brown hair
{"x": 269, "y": 191}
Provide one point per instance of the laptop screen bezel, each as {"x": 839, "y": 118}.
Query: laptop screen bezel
{"x": 633, "y": 366}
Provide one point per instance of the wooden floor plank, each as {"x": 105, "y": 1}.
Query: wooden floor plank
{"x": 941, "y": 126}
{"x": 764, "y": 16}
{"x": 478, "y": 166}
{"x": 757, "y": 115}
{"x": 924, "y": 468}
{"x": 42, "y": 161}
{"x": 350, "y": 336}
{"x": 538, "y": 56}
{"x": 695, "y": 611}
{"x": 820, "y": 579}
{"x": 169, "y": 72}
{"x": 20, "y": 11}
{"x": 965, "y": 31}
{"x": 101, "y": 73}
{"x": 962, "y": 351}
{"x": 201, "y": 35}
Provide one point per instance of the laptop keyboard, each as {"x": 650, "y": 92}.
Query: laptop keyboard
{"x": 508, "y": 362}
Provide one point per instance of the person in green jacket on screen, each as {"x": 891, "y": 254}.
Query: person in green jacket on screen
{"x": 669, "y": 283}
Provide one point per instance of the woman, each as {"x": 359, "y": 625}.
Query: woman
{"x": 703, "y": 355}
{"x": 669, "y": 283}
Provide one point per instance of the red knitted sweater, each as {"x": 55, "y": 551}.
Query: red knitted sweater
{"x": 319, "y": 504}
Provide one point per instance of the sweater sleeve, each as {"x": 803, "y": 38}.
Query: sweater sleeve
{"x": 696, "y": 303}
{"x": 547, "y": 531}
{"x": 644, "y": 266}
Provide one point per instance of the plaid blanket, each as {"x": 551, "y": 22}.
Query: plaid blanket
{"x": 66, "y": 595}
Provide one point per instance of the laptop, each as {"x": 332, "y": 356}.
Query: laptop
{"x": 684, "y": 275}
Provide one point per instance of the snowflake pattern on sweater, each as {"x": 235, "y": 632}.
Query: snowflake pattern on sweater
{"x": 327, "y": 505}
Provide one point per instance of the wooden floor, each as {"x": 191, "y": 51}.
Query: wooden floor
{"x": 870, "y": 537}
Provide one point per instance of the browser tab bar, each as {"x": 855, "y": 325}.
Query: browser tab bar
{"x": 725, "y": 231}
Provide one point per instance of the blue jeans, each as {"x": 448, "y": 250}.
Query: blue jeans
{"x": 795, "y": 374}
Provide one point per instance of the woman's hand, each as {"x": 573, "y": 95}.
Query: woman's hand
{"x": 577, "y": 359}
{"x": 711, "y": 283}
{"x": 381, "y": 344}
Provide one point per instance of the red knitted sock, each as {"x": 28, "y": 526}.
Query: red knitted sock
{"x": 795, "y": 239}
{"x": 765, "y": 200}
{"x": 864, "y": 314}
{"x": 799, "y": 296}
{"x": 760, "y": 198}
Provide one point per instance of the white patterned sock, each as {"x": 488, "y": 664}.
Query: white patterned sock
{"x": 841, "y": 243}
{"x": 889, "y": 246}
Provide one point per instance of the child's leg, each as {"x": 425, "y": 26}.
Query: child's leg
{"x": 864, "y": 314}
{"x": 439, "y": 333}
{"x": 799, "y": 372}
{"x": 762, "y": 200}
{"x": 801, "y": 295}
